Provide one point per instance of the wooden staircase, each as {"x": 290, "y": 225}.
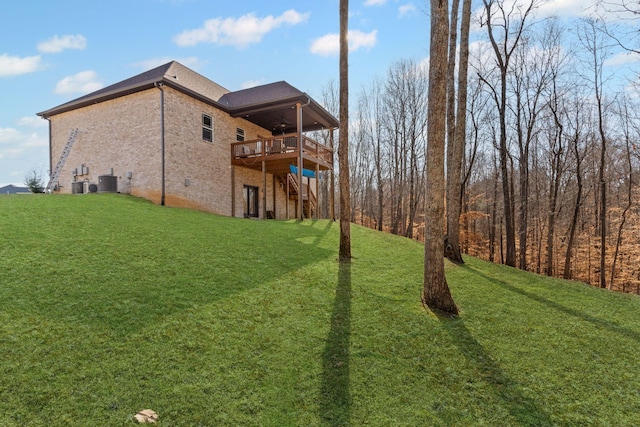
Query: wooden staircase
{"x": 309, "y": 200}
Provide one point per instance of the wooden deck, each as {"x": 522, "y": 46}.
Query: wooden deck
{"x": 280, "y": 152}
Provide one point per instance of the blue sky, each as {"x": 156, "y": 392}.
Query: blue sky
{"x": 57, "y": 50}
{"x": 54, "y": 51}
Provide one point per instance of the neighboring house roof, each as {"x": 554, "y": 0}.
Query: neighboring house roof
{"x": 269, "y": 106}
{"x": 12, "y": 189}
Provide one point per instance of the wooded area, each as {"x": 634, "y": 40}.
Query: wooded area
{"x": 548, "y": 175}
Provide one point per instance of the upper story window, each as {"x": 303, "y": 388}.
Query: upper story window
{"x": 207, "y": 127}
{"x": 239, "y": 134}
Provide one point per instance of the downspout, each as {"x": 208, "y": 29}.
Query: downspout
{"x": 162, "y": 151}
{"x": 50, "y": 150}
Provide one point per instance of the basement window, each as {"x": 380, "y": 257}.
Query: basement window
{"x": 207, "y": 127}
{"x": 239, "y": 135}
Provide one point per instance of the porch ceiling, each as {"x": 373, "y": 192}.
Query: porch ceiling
{"x": 280, "y": 118}
{"x": 273, "y": 107}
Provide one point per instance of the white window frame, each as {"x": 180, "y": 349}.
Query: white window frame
{"x": 206, "y": 127}
{"x": 240, "y": 135}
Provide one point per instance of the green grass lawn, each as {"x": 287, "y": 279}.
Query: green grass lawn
{"x": 110, "y": 304}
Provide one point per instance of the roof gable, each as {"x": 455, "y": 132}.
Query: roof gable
{"x": 172, "y": 74}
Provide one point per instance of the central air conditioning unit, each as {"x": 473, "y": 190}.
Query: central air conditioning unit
{"x": 77, "y": 187}
{"x": 107, "y": 184}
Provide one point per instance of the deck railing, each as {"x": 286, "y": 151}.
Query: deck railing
{"x": 286, "y": 145}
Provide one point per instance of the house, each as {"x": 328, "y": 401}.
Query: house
{"x": 174, "y": 137}
{"x": 12, "y": 189}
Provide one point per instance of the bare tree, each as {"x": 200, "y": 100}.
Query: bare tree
{"x": 329, "y": 98}
{"x": 405, "y": 122}
{"x": 557, "y": 162}
{"x": 627, "y": 137}
{"x": 537, "y": 60}
{"x": 593, "y": 43}
{"x": 625, "y": 31}
{"x": 578, "y": 153}
{"x": 343, "y": 149}
{"x": 416, "y": 122}
{"x": 396, "y": 111}
{"x": 436, "y": 294}
{"x": 376, "y": 130}
{"x": 505, "y": 35}
{"x": 370, "y": 119}
{"x": 457, "y": 136}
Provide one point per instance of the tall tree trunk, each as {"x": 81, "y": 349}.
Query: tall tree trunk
{"x": 436, "y": 294}
{"x": 456, "y": 148}
{"x": 554, "y": 187}
{"x": 343, "y": 148}
{"x": 590, "y": 39}
{"x": 451, "y": 127}
{"x": 378, "y": 158}
{"x": 578, "y": 201}
{"x": 603, "y": 199}
{"x": 494, "y": 219}
{"x": 557, "y": 169}
{"x": 523, "y": 181}
{"x": 503, "y": 50}
{"x": 629, "y": 173}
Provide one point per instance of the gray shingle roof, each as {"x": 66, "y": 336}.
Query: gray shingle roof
{"x": 260, "y": 94}
{"x": 173, "y": 74}
{"x": 263, "y": 105}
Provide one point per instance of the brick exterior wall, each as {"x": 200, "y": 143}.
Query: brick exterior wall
{"x": 124, "y": 135}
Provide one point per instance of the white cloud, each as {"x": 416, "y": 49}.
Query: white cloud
{"x": 330, "y": 44}
{"x": 374, "y": 2}
{"x": 14, "y": 65}
{"x": 623, "y": 58}
{"x": 406, "y": 9}
{"x": 57, "y": 44}
{"x": 82, "y": 82}
{"x": 32, "y": 122}
{"x": 13, "y": 142}
{"x": 18, "y": 152}
{"x": 565, "y": 8}
{"x": 147, "y": 64}
{"x": 239, "y": 32}
{"x": 251, "y": 83}
{"x": 326, "y": 45}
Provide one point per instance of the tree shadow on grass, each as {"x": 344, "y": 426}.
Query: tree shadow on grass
{"x": 521, "y": 407}
{"x": 612, "y": 327}
{"x": 335, "y": 399}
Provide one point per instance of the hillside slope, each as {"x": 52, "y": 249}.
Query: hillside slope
{"x": 110, "y": 304}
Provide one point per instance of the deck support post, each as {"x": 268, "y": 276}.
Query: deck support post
{"x": 264, "y": 189}
{"x": 300, "y": 162}
{"x": 288, "y": 196}
{"x": 273, "y": 192}
{"x": 308, "y": 197}
{"x": 233, "y": 191}
{"x": 317, "y": 215}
